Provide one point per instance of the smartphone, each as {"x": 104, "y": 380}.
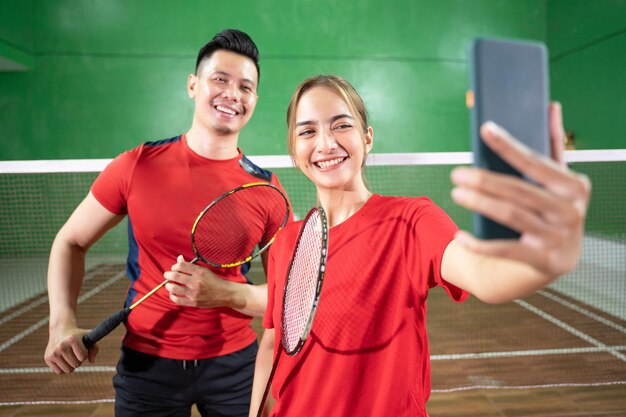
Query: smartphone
{"x": 509, "y": 86}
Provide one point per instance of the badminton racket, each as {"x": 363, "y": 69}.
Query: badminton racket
{"x": 303, "y": 288}
{"x": 232, "y": 230}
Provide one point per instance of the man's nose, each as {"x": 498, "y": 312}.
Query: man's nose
{"x": 231, "y": 92}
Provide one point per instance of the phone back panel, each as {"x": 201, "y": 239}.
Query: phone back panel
{"x": 509, "y": 81}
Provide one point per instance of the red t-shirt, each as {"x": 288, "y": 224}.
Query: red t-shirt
{"x": 162, "y": 187}
{"x": 367, "y": 354}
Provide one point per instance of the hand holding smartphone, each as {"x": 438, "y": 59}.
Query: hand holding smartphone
{"x": 509, "y": 86}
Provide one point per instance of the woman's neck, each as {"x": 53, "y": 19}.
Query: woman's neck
{"x": 340, "y": 205}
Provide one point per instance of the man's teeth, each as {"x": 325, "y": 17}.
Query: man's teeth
{"x": 226, "y": 110}
{"x": 331, "y": 162}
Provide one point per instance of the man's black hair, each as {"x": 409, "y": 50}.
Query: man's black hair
{"x": 231, "y": 40}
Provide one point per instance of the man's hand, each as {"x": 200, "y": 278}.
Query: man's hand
{"x": 65, "y": 351}
{"x": 196, "y": 286}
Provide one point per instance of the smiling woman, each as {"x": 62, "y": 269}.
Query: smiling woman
{"x": 329, "y": 136}
{"x": 330, "y": 147}
{"x": 386, "y": 253}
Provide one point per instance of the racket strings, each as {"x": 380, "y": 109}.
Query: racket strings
{"x": 276, "y": 209}
{"x": 302, "y": 281}
{"x": 229, "y": 230}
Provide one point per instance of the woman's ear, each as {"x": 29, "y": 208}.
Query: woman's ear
{"x": 369, "y": 139}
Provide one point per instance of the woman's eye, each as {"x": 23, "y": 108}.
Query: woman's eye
{"x": 343, "y": 126}
{"x": 306, "y": 132}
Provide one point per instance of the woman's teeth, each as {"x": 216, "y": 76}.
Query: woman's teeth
{"x": 330, "y": 162}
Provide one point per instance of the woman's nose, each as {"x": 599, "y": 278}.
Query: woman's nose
{"x": 326, "y": 142}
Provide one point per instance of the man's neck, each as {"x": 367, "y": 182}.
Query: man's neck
{"x": 211, "y": 145}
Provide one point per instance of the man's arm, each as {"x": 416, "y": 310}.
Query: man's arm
{"x": 90, "y": 220}
{"x": 549, "y": 214}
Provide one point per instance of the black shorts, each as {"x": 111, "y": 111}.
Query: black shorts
{"x": 147, "y": 385}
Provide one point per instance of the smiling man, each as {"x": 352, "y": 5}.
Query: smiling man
{"x": 191, "y": 344}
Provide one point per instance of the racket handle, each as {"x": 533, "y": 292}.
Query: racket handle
{"x": 107, "y": 326}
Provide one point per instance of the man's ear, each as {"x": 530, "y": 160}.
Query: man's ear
{"x": 192, "y": 84}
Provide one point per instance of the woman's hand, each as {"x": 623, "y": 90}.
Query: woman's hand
{"x": 549, "y": 214}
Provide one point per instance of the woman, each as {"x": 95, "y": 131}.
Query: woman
{"x": 367, "y": 354}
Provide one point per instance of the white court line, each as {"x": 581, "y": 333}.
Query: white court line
{"x": 473, "y": 387}
{"x": 37, "y": 302}
{"x": 583, "y": 311}
{"x": 102, "y": 400}
{"x": 46, "y": 370}
{"x": 42, "y": 322}
{"x": 437, "y": 391}
{"x": 572, "y": 330}
{"x": 25, "y": 309}
{"x": 100, "y": 287}
{"x": 521, "y": 353}
{"x": 23, "y": 334}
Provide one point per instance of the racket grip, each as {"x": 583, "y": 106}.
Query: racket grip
{"x": 107, "y": 326}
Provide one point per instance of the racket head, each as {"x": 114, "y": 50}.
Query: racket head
{"x": 304, "y": 280}
{"x": 239, "y": 225}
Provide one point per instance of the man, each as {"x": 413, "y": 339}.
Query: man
{"x": 191, "y": 343}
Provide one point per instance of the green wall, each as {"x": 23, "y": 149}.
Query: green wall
{"x": 16, "y": 35}
{"x": 587, "y": 41}
{"x": 101, "y": 76}
{"x": 110, "y": 74}
{"x": 16, "y": 65}
{"x": 90, "y": 79}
